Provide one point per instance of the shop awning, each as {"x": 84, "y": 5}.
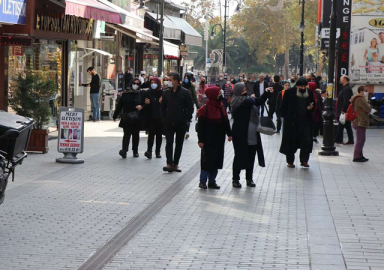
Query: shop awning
{"x": 127, "y": 17}
{"x": 141, "y": 36}
{"x": 171, "y": 30}
{"x": 89, "y": 51}
{"x": 92, "y": 9}
{"x": 191, "y": 36}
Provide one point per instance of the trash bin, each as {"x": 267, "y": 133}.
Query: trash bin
{"x": 14, "y": 147}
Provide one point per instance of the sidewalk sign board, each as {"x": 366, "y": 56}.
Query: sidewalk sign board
{"x": 71, "y": 134}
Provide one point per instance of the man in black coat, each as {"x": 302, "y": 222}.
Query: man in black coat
{"x": 128, "y": 78}
{"x": 343, "y": 101}
{"x": 260, "y": 86}
{"x": 176, "y": 112}
{"x": 277, "y": 88}
{"x": 297, "y": 109}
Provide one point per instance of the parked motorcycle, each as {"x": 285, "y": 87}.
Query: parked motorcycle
{"x": 15, "y": 131}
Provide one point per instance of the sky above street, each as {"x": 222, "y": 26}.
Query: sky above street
{"x": 232, "y": 6}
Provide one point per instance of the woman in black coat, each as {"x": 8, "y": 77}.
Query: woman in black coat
{"x": 153, "y": 117}
{"x": 213, "y": 125}
{"x": 297, "y": 110}
{"x": 246, "y": 140}
{"x": 131, "y": 102}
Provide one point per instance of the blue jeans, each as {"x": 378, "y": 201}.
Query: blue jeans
{"x": 95, "y": 106}
{"x": 211, "y": 175}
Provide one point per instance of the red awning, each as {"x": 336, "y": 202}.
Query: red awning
{"x": 92, "y": 9}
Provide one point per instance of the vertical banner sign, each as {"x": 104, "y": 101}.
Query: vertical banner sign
{"x": 367, "y": 42}
{"x": 71, "y": 130}
{"x": 344, "y": 22}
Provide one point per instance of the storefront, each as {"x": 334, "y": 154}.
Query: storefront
{"x": 46, "y": 46}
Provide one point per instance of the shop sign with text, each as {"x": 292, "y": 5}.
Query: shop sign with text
{"x": 13, "y": 11}
{"x": 61, "y": 23}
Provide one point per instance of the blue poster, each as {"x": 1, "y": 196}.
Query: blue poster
{"x": 13, "y": 11}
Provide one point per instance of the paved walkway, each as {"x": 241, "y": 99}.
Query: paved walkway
{"x": 58, "y": 216}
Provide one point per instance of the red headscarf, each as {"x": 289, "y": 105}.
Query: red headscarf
{"x": 215, "y": 107}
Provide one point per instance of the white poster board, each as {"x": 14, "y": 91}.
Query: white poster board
{"x": 71, "y": 130}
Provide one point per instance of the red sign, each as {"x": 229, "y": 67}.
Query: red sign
{"x": 18, "y": 50}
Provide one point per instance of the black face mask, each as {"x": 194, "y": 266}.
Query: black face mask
{"x": 292, "y": 80}
{"x": 220, "y": 98}
{"x": 302, "y": 90}
{"x": 245, "y": 94}
{"x": 202, "y": 82}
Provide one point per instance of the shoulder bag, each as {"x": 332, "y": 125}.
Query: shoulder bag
{"x": 266, "y": 125}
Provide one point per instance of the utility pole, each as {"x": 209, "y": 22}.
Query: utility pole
{"x": 206, "y": 45}
{"x": 328, "y": 148}
{"x": 302, "y": 28}
{"x": 224, "y": 34}
{"x": 161, "y": 41}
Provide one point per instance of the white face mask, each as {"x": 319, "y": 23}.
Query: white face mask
{"x": 170, "y": 84}
{"x": 130, "y": 71}
{"x": 135, "y": 86}
{"x": 220, "y": 78}
{"x": 365, "y": 94}
{"x": 228, "y": 82}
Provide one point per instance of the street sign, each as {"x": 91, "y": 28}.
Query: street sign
{"x": 326, "y": 31}
{"x": 71, "y": 134}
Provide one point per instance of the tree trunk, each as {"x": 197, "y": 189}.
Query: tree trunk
{"x": 286, "y": 62}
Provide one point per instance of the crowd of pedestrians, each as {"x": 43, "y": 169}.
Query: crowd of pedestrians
{"x": 165, "y": 108}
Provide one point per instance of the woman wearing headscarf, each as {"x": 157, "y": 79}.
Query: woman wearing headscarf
{"x": 153, "y": 109}
{"x": 131, "y": 102}
{"x": 189, "y": 85}
{"x": 201, "y": 91}
{"x": 213, "y": 125}
{"x": 246, "y": 139}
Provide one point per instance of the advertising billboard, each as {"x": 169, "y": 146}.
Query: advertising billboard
{"x": 366, "y": 58}
{"x": 13, "y": 11}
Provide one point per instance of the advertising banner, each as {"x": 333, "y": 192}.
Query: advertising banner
{"x": 71, "y": 130}
{"x": 366, "y": 58}
{"x": 13, "y": 11}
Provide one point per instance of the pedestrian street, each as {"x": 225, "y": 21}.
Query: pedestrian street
{"x": 113, "y": 213}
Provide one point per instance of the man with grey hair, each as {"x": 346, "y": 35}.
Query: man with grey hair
{"x": 259, "y": 88}
{"x": 343, "y": 101}
{"x": 221, "y": 82}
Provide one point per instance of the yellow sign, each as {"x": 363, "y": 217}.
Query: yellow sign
{"x": 61, "y": 23}
{"x": 330, "y": 91}
{"x": 378, "y": 23}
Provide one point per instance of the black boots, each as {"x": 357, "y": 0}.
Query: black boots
{"x": 123, "y": 154}
{"x": 236, "y": 183}
{"x": 148, "y": 154}
{"x": 250, "y": 183}
{"x": 135, "y": 154}
{"x": 158, "y": 154}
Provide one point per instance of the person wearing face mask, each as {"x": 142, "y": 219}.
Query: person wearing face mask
{"x": 246, "y": 139}
{"x": 293, "y": 81}
{"x": 201, "y": 92}
{"x": 213, "y": 125}
{"x": 343, "y": 101}
{"x": 131, "y": 102}
{"x": 228, "y": 88}
{"x": 128, "y": 78}
{"x": 187, "y": 84}
{"x": 143, "y": 74}
{"x": 147, "y": 85}
{"x": 165, "y": 82}
{"x": 297, "y": 110}
{"x": 250, "y": 84}
{"x": 153, "y": 109}
{"x": 221, "y": 82}
{"x": 362, "y": 109}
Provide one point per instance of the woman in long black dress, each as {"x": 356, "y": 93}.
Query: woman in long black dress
{"x": 131, "y": 102}
{"x": 213, "y": 125}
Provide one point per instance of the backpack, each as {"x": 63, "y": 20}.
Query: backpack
{"x": 351, "y": 115}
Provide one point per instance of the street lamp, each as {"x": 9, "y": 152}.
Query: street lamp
{"x": 142, "y": 8}
{"x": 328, "y": 148}
{"x": 213, "y": 35}
{"x": 302, "y": 28}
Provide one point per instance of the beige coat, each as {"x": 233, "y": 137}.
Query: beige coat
{"x": 362, "y": 119}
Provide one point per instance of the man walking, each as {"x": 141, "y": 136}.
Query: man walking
{"x": 176, "y": 112}
{"x": 296, "y": 109}
{"x": 250, "y": 84}
{"x": 277, "y": 88}
{"x": 343, "y": 101}
{"x": 95, "y": 85}
{"x": 260, "y": 86}
{"x": 362, "y": 109}
{"x": 128, "y": 78}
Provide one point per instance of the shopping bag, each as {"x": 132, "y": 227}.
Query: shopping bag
{"x": 342, "y": 119}
{"x": 266, "y": 125}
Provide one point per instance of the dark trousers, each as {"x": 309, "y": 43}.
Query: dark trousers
{"x": 172, "y": 130}
{"x": 271, "y": 112}
{"x": 129, "y": 131}
{"x": 340, "y": 132}
{"x": 304, "y": 157}
{"x": 154, "y": 129}
{"x": 360, "y": 141}
{"x": 208, "y": 175}
{"x": 252, "y": 149}
{"x": 262, "y": 110}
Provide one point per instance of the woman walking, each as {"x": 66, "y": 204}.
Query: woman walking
{"x": 153, "y": 109}
{"x": 189, "y": 85}
{"x": 246, "y": 139}
{"x": 213, "y": 125}
{"x": 131, "y": 102}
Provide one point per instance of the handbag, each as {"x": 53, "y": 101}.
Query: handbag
{"x": 131, "y": 118}
{"x": 266, "y": 125}
{"x": 342, "y": 119}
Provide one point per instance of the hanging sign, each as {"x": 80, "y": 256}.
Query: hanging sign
{"x": 13, "y": 11}
{"x": 71, "y": 130}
